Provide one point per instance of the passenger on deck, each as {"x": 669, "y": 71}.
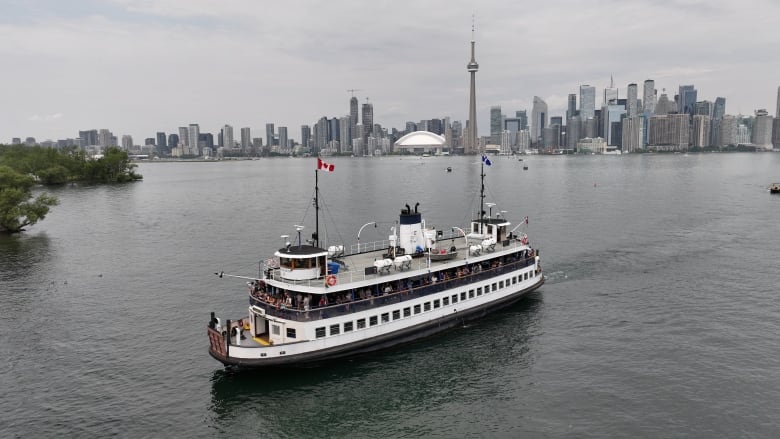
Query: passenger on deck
{"x": 323, "y": 301}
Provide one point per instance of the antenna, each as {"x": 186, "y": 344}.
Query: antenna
{"x": 353, "y": 90}
{"x": 298, "y": 229}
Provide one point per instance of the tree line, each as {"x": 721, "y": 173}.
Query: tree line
{"x": 23, "y": 167}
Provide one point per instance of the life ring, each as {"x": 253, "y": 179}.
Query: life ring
{"x": 330, "y": 280}
{"x": 524, "y": 239}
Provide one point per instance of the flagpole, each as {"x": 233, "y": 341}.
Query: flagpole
{"x": 316, "y": 207}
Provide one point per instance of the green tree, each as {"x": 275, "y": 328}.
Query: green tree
{"x": 113, "y": 167}
{"x": 17, "y": 210}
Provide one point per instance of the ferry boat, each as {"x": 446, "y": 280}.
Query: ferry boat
{"x": 774, "y": 188}
{"x": 312, "y": 303}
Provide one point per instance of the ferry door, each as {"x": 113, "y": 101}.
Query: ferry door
{"x": 260, "y": 325}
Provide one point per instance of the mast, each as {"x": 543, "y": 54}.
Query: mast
{"x": 482, "y": 199}
{"x": 316, "y": 208}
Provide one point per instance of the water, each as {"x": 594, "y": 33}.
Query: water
{"x": 659, "y": 317}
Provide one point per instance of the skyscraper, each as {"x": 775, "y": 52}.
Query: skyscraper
{"x": 173, "y": 141}
{"x": 246, "y": 139}
{"x": 367, "y": 113}
{"x": 283, "y": 141}
{"x": 306, "y": 133}
{"x": 227, "y": 137}
{"x": 719, "y": 109}
{"x": 269, "y": 136}
{"x": 701, "y": 131}
{"x": 193, "y": 134}
{"x": 571, "y": 109}
{"x": 762, "y": 129}
{"x": 703, "y": 108}
{"x": 127, "y": 142}
{"x": 353, "y": 110}
{"x": 472, "y": 67}
{"x": 183, "y": 136}
{"x": 648, "y": 98}
{"x": 345, "y": 133}
{"x": 587, "y": 102}
{"x": 495, "y": 124}
{"x": 538, "y": 119}
{"x": 777, "y": 112}
{"x": 610, "y": 93}
{"x": 633, "y": 110}
{"x": 687, "y": 99}
{"x": 522, "y": 115}
{"x": 776, "y": 133}
{"x": 162, "y": 145}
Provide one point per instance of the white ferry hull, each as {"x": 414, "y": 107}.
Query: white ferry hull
{"x": 379, "y": 342}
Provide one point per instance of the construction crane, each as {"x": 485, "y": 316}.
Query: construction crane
{"x": 353, "y": 90}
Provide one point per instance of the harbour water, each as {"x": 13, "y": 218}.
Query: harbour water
{"x": 659, "y": 318}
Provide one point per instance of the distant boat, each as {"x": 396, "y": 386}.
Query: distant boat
{"x": 774, "y": 188}
{"x": 525, "y": 168}
{"x": 449, "y": 168}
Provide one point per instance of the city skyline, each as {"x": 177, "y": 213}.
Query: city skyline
{"x": 139, "y": 67}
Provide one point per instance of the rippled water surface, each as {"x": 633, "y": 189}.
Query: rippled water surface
{"x": 659, "y": 318}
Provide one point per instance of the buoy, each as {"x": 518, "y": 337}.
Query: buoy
{"x": 330, "y": 280}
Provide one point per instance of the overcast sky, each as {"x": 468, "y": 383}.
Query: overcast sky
{"x": 141, "y": 66}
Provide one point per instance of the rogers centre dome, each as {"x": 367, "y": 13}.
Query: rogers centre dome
{"x": 420, "y": 142}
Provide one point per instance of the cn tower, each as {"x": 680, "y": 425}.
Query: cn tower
{"x": 472, "y": 67}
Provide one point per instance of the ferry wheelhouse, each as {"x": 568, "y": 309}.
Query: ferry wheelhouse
{"x": 311, "y": 304}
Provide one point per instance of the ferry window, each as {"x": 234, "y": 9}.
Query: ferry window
{"x": 285, "y": 262}
{"x": 455, "y": 298}
{"x": 396, "y": 314}
{"x": 407, "y": 312}
{"x": 385, "y": 317}
{"x": 475, "y": 228}
{"x": 427, "y": 306}
{"x": 514, "y": 280}
{"x": 417, "y": 309}
{"x": 320, "y": 332}
{"x": 445, "y": 301}
{"x": 494, "y": 287}
{"x": 372, "y": 321}
{"x": 275, "y": 330}
{"x": 471, "y": 293}
{"x": 501, "y": 284}
{"x": 290, "y": 332}
{"x": 334, "y": 329}
{"x": 361, "y": 323}
{"x": 436, "y": 303}
{"x": 463, "y": 295}
{"x": 347, "y": 326}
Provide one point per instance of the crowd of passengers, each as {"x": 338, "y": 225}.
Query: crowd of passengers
{"x": 285, "y": 300}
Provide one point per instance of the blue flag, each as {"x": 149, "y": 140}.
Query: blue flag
{"x": 485, "y": 160}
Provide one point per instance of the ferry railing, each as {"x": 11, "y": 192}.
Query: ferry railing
{"x": 341, "y": 277}
{"x": 367, "y": 247}
{"x": 315, "y": 312}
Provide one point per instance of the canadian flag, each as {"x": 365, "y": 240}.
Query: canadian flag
{"x": 325, "y": 166}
